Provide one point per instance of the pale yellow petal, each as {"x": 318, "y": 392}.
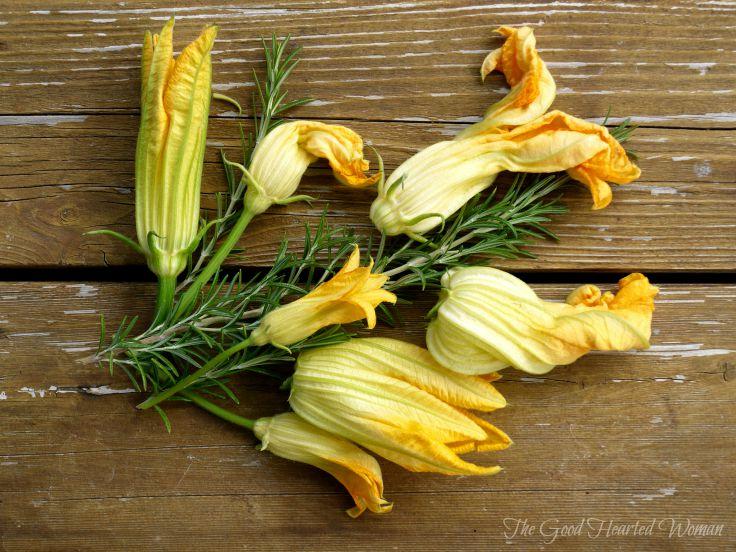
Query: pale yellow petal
{"x": 609, "y": 164}
{"x": 532, "y": 86}
{"x": 342, "y": 148}
{"x": 280, "y": 160}
{"x": 288, "y": 436}
{"x": 495, "y": 440}
{"x": 175, "y": 98}
{"x": 490, "y": 319}
{"x": 393, "y": 399}
{"x": 349, "y": 296}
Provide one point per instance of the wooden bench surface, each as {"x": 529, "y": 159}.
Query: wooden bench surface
{"x": 644, "y": 437}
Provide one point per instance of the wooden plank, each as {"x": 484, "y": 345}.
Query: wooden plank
{"x": 65, "y": 175}
{"x": 668, "y": 64}
{"x": 619, "y": 437}
{"x": 313, "y": 522}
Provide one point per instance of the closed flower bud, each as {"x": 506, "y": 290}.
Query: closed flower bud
{"x": 350, "y": 295}
{"x": 281, "y": 158}
{"x": 395, "y": 400}
{"x": 175, "y": 100}
{"x": 288, "y": 436}
{"x": 488, "y": 319}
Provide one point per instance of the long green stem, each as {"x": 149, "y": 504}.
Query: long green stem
{"x": 190, "y": 295}
{"x": 194, "y": 376}
{"x": 164, "y": 298}
{"x": 218, "y": 411}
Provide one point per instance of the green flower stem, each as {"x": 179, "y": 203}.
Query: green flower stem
{"x": 218, "y": 411}
{"x": 190, "y": 295}
{"x": 164, "y": 298}
{"x": 182, "y": 384}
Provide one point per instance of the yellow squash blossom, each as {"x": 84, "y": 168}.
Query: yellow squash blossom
{"x": 394, "y": 399}
{"x": 488, "y": 320}
{"x": 281, "y": 158}
{"x": 350, "y": 295}
{"x": 175, "y": 101}
{"x": 288, "y": 436}
{"x": 532, "y": 86}
{"x": 436, "y": 182}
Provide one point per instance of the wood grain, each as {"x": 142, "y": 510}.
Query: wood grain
{"x": 65, "y": 175}
{"x": 617, "y": 437}
{"x": 622, "y": 437}
{"x": 669, "y": 64}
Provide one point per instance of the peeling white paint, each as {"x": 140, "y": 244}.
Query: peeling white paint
{"x": 3, "y": 396}
{"x": 470, "y": 119}
{"x": 662, "y": 190}
{"x": 681, "y": 350}
{"x": 46, "y": 120}
{"x": 111, "y": 48}
{"x": 231, "y": 85}
{"x": 85, "y": 290}
{"x": 701, "y": 68}
{"x": 702, "y": 169}
{"x": 532, "y": 380}
{"x": 320, "y": 103}
{"x": 655, "y": 420}
{"x": 713, "y": 117}
{"x": 81, "y": 311}
{"x": 107, "y": 390}
{"x": 666, "y": 491}
{"x": 99, "y": 390}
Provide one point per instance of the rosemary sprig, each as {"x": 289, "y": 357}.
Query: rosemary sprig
{"x": 161, "y": 357}
{"x": 483, "y": 228}
{"x": 227, "y": 310}
{"x": 268, "y": 104}
{"x": 269, "y": 101}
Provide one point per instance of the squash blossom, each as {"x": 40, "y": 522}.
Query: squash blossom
{"x": 288, "y": 436}
{"x": 175, "y": 101}
{"x": 395, "y": 400}
{"x": 350, "y": 295}
{"x": 433, "y": 184}
{"x": 488, "y": 319}
{"x": 281, "y": 158}
{"x": 532, "y": 86}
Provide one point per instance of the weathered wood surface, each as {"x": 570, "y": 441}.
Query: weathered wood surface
{"x": 411, "y": 64}
{"x": 58, "y": 182}
{"x": 616, "y": 437}
{"x": 669, "y": 63}
{"x": 619, "y": 437}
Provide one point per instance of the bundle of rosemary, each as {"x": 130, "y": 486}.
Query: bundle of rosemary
{"x": 434, "y": 212}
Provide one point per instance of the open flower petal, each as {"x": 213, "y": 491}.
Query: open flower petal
{"x": 436, "y": 182}
{"x": 288, "y": 436}
{"x": 532, "y": 86}
{"x": 609, "y": 164}
{"x": 350, "y": 295}
{"x": 394, "y": 399}
{"x": 282, "y": 157}
{"x": 489, "y": 319}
